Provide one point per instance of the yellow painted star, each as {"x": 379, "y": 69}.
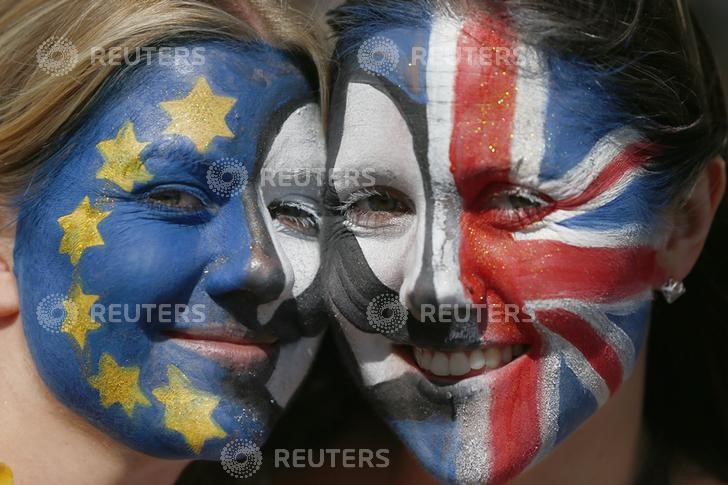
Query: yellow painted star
{"x": 200, "y": 116}
{"x": 80, "y": 229}
{"x": 118, "y": 385}
{"x": 188, "y": 410}
{"x": 6, "y": 475}
{"x": 121, "y": 156}
{"x": 78, "y": 322}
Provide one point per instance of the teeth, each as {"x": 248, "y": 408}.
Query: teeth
{"x": 459, "y": 364}
{"x": 426, "y": 358}
{"x": 423, "y": 357}
{"x": 477, "y": 361}
{"x": 506, "y": 354}
{"x": 492, "y": 357}
{"x": 440, "y": 365}
{"x": 462, "y": 363}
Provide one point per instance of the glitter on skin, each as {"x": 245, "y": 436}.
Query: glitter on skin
{"x": 200, "y": 116}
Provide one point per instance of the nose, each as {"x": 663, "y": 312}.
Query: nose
{"x": 433, "y": 288}
{"x": 250, "y": 275}
{"x": 256, "y": 274}
{"x": 433, "y": 276}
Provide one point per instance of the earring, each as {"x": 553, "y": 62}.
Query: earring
{"x": 672, "y": 290}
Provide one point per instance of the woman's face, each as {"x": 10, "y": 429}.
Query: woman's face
{"x": 165, "y": 299}
{"x": 493, "y": 282}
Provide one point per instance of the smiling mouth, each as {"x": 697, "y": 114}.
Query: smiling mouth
{"x": 436, "y": 364}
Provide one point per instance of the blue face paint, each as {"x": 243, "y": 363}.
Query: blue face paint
{"x": 158, "y": 298}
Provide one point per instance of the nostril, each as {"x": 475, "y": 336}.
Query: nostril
{"x": 256, "y": 277}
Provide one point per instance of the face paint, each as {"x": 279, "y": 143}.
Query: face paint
{"x": 509, "y": 186}
{"x": 181, "y": 306}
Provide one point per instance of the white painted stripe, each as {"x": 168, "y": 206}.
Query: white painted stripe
{"x": 548, "y": 401}
{"x": 293, "y": 363}
{"x": 576, "y": 180}
{"x": 630, "y": 235}
{"x": 528, "y": 144}
{"x": 474, "y": 460}
{"x": 298, "y": 146}
{"x": 578, "y": 364}
{"x": 634, "y": 234}
{"x": 596, "y": 316}
{"x": 447, "y": 205}
{"x": 372, "y": 117}
{"x": 375, "y": 355}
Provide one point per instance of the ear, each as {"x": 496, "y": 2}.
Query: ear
{"x": 691, "y": 222}
{"x": 9, "y": 301}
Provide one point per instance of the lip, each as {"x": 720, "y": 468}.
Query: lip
{"x": 231, "y": 351}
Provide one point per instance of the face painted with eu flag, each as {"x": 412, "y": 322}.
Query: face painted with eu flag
{"x": 168, "y": 295}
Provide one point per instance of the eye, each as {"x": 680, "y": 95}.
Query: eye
{"x": 176, "y": 199}
{"x": 513, "y": 208}
{"x": 373, "y": 208}
{"x": 294, "y": 217}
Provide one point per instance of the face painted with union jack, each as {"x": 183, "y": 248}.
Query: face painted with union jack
{"x": 493, "y": 282}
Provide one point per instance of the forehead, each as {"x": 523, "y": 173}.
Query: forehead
{"x": 248, "y": 88}
{"x": 255, "y": 74}
{"x": 472, "y": 79}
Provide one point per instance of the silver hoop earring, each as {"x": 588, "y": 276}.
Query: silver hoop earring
{"x": 672, "y": 290}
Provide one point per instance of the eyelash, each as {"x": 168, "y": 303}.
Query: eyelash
{"x": 372, "y": 219}
{"x": 201, "y": 203}
{"x": 505, "y": 207}
{"x": 305, "y": 220}
{"x": 513, "y": 218}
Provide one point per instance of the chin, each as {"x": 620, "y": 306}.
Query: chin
{"x": 481, "y": 414}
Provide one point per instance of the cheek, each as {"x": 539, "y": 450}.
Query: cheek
{"x": 304, "y": 258}
{"x": 520, "y": 271}
{"x": 389, "y": 257}
{"x": 146, "y": 262}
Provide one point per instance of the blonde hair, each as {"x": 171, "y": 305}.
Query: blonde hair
{"x": 36, "y": 107}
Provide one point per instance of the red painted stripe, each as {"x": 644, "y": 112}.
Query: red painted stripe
{"x": 491, "y": 260}
{"x": 515, "y": 432}
{"x": 599, "y": 353}
{"x": 630, "y": 159}
{"x": 484, "y": 107}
